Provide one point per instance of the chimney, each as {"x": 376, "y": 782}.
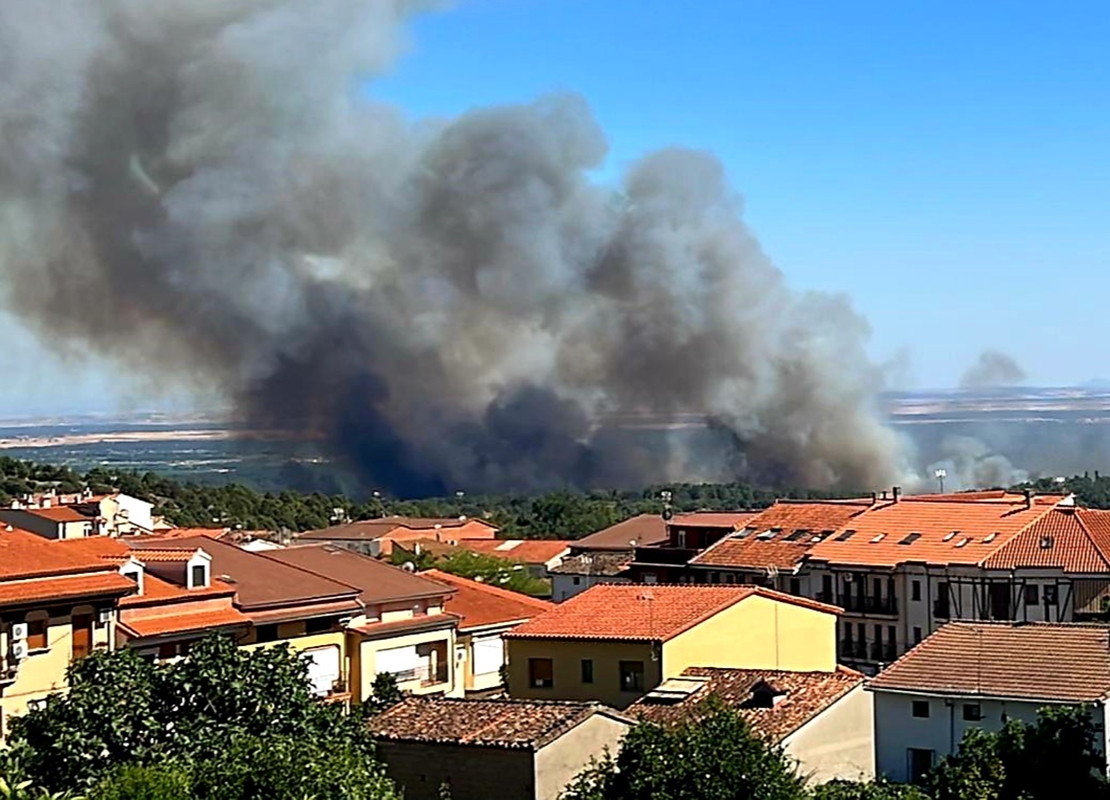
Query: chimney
{"x": 895, "y": 493}
{"x": 874, "y": 498}
{"x": 1028, "y": 497}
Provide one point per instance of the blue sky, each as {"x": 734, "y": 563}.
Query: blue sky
{"x": 943, "y": 163}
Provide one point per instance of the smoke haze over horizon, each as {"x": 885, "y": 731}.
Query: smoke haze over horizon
{"x": 203, "y": 194}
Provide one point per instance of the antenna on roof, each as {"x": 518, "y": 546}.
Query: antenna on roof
{"x": 940, "y": 475}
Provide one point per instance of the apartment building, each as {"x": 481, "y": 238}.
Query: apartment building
{"x": 687, "y": 536}
{"x": 112, "y": 514}
{"x": 56, "y": 606}
{"x": 375, "y": 537}
{"x": 604, "y": 556}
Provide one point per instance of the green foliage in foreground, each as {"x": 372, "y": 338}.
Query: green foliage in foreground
{"x": 488, "y": 569}
{"x": 223, "y": 724}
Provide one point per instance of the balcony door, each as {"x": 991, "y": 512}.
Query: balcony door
{"x": 82, "y": 635}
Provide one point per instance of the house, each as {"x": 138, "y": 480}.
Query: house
{"x": 485, "y": 614}
{"x": 480, "y": 749}
{"x": 53, "y": 522}
{"x": 540, "y": 556}
{"x": 55, "y": 606}
{"x": 615, "y": 643}
{"x": 602, "y": 557}
{"x": 113, "y": 514}
{"x": 375, "y": 537}
{"x": 176, "y": 601}
{"x": 577, "y": 573}
{"x": 402, "y": 627}
{"x": 284, "y": 604}
{"x": 823, "y": 721}
{"x": 969, "y": 676}
{"x": 687, "y": 535}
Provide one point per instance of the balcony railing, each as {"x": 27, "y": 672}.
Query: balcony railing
{"x": 883, "y": 651}
{"x": 868, "y": 604}
{"x": 853, "y": 650}
{"x": 826, "y": 597}
{"x": 677, "y": 556}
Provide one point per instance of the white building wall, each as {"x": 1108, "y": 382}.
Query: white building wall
{"x": 564, "y": 587}
{"x": 139, "y": 512}
{"x": 897, "y": 730}
{"x": 837, "y": 743}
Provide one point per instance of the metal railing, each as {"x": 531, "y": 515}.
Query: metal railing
{"x": 868, "y": 604}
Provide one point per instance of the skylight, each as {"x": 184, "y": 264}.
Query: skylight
{"x": 766, "y": 535}
{"x": 910, "y": 538}
{"x": 949, "y": 536}
{"x": 989, "y": 537}
{"x": 845, "y": 536}
{"x": 796, "y": 535}
{"x": 963, "y": 541}
{"x": 878, "y": 537}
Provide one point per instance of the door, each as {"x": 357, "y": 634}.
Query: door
{"x": 1000, "y": 601}
{"x": 82, "y": 635}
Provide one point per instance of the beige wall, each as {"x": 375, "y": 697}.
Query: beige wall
{"x": 757, "y": 633}
{"x": 839, "y": 742}
{"x": 567, "y": 658}
{"x": 44, "y": 671}
{"x": 559, "y": 762}
{"x": 367, "y": 662}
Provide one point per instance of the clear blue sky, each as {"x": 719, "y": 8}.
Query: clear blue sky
{"x": 944, "y": 163}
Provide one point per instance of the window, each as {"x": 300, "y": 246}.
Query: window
{"x": 650, "y": 577}
{"x": 198, "y": 576}
{"x": 541, "y": 673}
{"x": 167, "y": 650}
{"x": 1032, "y": 595}
{"x": 917, "y": 635}
{"x": 826, "y": 586}
{"x": 318, "y": 625}
{"x": 973, "y": 712}
{"x": 265, "y": 633}
{"x": 918, "y": 763}
{"x": 910, "y": 538}
{"x": 796, "y": 587}
{"x": 921, "y": 709}
{"x": 37, "y": 630}
{"x": 82, "y": 639}
{"x": 915, "y": 590}
{"x": 1050, "y": 595}
{"x": 632, "y": 676}
{"x": 587, "y": 670}
{"x": 577, "y": 581}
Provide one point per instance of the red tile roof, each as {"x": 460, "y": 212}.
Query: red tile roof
{"x": 25, "y": 555}
{"x": 62, "y": 587}
{"x": 60, "y": 514}
{"x": 606, "y": 563}
{"x": 517, "y": 724}
{"x": 931, "y": 529}
{"x": 186, "y": 623}
{"x": 1075, "y": 540}
{"x": 800, "y": 696}
{"x": 1034, "y": 661}
{"x": 479, "y": 604}
{"x": 189, "y": 533}
{"x": 370, "y": 529}
{"x": 644, "y": 612}
{"x": 158, "y": 592}
{"x": 644, "y": 530}
{"x": 733, "y": 520}
{"x": 526, "y": 551}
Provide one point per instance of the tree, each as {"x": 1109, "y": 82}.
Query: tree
{"x": 1057, "y": 756}
{"x": 124, "y": 712}
{"x": 716, "y": 757}
{"x": 494, "y": 571}
{"x": 871, "y": 790}
{"x": 384, "y": 695}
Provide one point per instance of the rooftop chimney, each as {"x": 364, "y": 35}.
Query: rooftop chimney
{"x": 874, "y": 498}
{"x": 1028, "y": 497}
{"x": 896, "y": 492}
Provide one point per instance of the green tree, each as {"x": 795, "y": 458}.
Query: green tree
{"x": 871, "y": 790}
{"x": 494, "y": 571}
{"x": 123, "y": 711}
{"x": 384, "y": 694}
{"x": 716, "y": 757}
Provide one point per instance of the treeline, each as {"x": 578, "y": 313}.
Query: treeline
{"x": 560, "y": 514}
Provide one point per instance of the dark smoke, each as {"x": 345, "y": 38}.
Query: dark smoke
{"x": 992, "y": 369}
{"x": 201, "y": 191}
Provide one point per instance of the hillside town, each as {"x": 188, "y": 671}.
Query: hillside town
{"x": 864, "y": 637}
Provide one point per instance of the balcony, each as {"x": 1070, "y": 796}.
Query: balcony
{"x": 884, "y": 651}
{"x": 826, "y": 597}
{"x": 941, "y": 609}
{"x": 867, "y": 604}
{"x": 424, "y": 674}
{"x": 853, "y": 650}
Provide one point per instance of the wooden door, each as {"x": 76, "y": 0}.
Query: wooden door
{"x": 82, "y": 635}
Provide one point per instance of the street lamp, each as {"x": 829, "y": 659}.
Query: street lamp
{"x": 940, "y": 475}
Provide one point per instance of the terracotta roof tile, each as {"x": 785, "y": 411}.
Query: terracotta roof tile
{"x": 25, "y": 555}
{"x": 189, "y": 533}
{"x": 518, "y": 724}
{"x": 157, "y": 592}
{"x": 526, "y": 551}
{"x": 733, "y": 520}
{"x": 1069, "y": 538}
{"x": 370, "y": 529}
{"x": 60, "y": 514}
{"x": 931, "y": 529}
{"x": 186, "y": 623}
{"x": 60, "y": 587}
{"x": 804, "y": 696}
{"x": 165, "y": 555}
{"x": 606, "y": 563}
{"x": 643, "y": 612}
{"x": 479, "y": 604}
{"x": 644, "y": 530}
{"x": 1035, "y": 661}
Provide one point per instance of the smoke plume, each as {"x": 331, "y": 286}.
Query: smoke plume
{"x": 206, "y": 192}
{"x": 992, "y": 369}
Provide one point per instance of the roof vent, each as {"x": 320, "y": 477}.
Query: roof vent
{"x": 990, "y": 537}
{"x": 1047, "y": 542}
{"x": 878, "y": 538}
{"x": 949, "y": 536}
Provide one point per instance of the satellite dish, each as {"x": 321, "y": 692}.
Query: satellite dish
{"x": 408, "y": 566}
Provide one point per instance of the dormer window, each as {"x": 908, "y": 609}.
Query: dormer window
{"x": 198, "y": 572}
{"x": 133, "y": 570}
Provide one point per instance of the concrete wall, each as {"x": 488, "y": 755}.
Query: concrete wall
{"x": 559, "y": 762}
{"x": 567, "y": 658}
{"x": 897, "y": 730}
{"x": 757, "y": 633}
{"x": 474, "y": 773}
{"x": 839, "y": 742}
